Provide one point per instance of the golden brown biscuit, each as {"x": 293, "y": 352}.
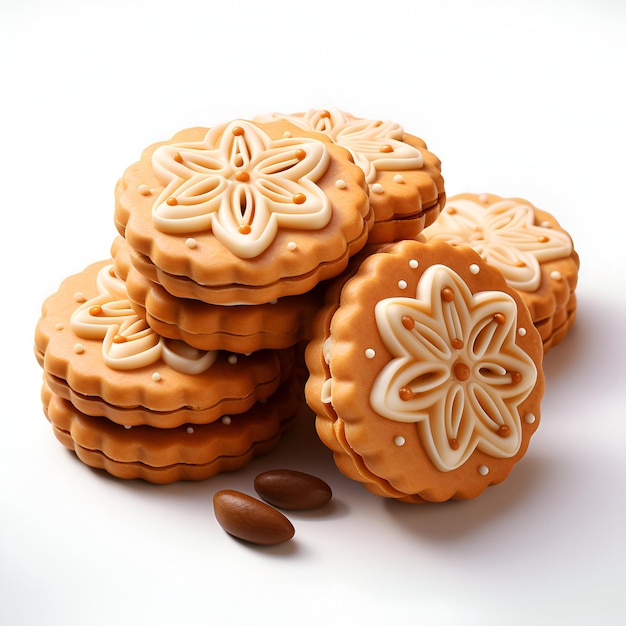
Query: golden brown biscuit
{"x": 243, "y": 328}
{"x": 187, "y": 452}
{"x": 99, "y": 354}
{"x": 243, "y": 213}
{"x": 425, "y": 373}
{"x": 527, "y": 244}
{"x": 404, "y": 177}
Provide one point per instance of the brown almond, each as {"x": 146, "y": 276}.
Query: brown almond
{"x": 289, "y": 489}
{"x": 250, "y": 519}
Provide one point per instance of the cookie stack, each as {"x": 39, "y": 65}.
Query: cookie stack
{"x": 178, "y": 357}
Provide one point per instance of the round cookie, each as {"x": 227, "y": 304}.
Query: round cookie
{"x": 187, "y": 452}
{"x": 528, "y": 245}
{"x": 243, "y": 213}
{"x": 243, "y": 328}
{"x": 425, "y": 373}
{"x": 99, "y": 354}
{"x": 404, "y": 177}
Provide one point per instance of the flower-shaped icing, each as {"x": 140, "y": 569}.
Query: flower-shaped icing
{"x": 505, "y": 235}
{"x": 241, "y": 185}
{"x": 456, "y": 371}
{"x": 375, "y": 145}
{"x": 127, "y": 340}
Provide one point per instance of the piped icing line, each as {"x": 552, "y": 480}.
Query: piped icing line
{"x": 375, "y": 145}
{"x": 127, "y": 341}
{"x": 241, "y": 185}
{"x": 505, "y": 235}
{"x": 456, "y": 370}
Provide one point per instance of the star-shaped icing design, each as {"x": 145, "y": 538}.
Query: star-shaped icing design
{"x": 127, "y": 340}
{"x": 456, "y": 371}
{"x": 241, "y": 185}
{"x": 375, "y": 145}
{"x": 505, "y": 235}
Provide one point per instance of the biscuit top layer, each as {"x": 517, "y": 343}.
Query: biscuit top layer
{"x": 128, "y": 343}
{"x": 505, "y": 232}
{"x": 242, "y": 185}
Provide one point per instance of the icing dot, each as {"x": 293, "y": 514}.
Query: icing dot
{"x": 453, "y": 443}
{"x": 556, "y": 275}
{"x": 543, "y": 239}
{"x": 408, "y": 322}
{"x": 504, "y": 431}
{"x": 242, "y": 177}
{"x": 402, "y": 284}
{"x": 59, "y": 326}
{"x": 119, "y": 339}
{"x": 516, "y": 378}
{"x": 546, "y": 225}
{"x": 484, "y": 198}
{"x": 398, "y": 178}
{"x": 191, "y": 242}
{"x": 156, "y": 377}
{"x": 521, "y": 332}
{"x": 245, "y": 229}
{"x": 386, "y": 148}
{"x": 232, "y": 359}
{"x": 127, "y": 426}
{"x": 405, "y": 394}
{"x": 499, "y": 318}
{"x": 324, "y": 114}
{"x": 226, "y": 420}
{"x": 171, "y": 201}
{"x": 299, "y": 198}
{"x": 95, "y": 311}
{"x": 300, "y": 154}
{"x": 457, "y": 343}
{"x": 399, "y": 440}
{"x": 340, "y": 183}
{"x": 287, "y": 134}
{"x": 474, "y": 269}
{"x": 370, "y": 353}
{"x": 530, "y": 418}
{"x": 238, "y": 161}
{"x": 461, "y": 371}
{"x": 238, "y": 131}
{"x": 292, "y": 245}
{"x": 483, "y": 470}
{"x": 144, "y": 190}
{"x": 190, "y": 430}
{"x": 79, "y": 348}
{"x": 447, "y": 295}
{"x": 413, "y": 264}
{"x": 377, "y": 188}
{"x": 79, "y": 296}
{"x": 177, "y": 157}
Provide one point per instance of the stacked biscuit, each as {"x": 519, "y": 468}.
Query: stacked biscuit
{"x": 177, "y": 357}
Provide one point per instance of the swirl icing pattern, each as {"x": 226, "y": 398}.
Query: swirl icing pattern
{"x": 456, "y": 371}
{"x": 505, "y": 235}
{"x": 241, "y": 185}
{"x": 127, "y": 340}
{"x": 375, "y": 145}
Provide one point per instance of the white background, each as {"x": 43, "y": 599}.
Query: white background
{"x": 517, "y": 98}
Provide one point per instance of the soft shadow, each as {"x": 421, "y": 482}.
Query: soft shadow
{"x": 456, "y": 519}
{"x": 286, "y": 549}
